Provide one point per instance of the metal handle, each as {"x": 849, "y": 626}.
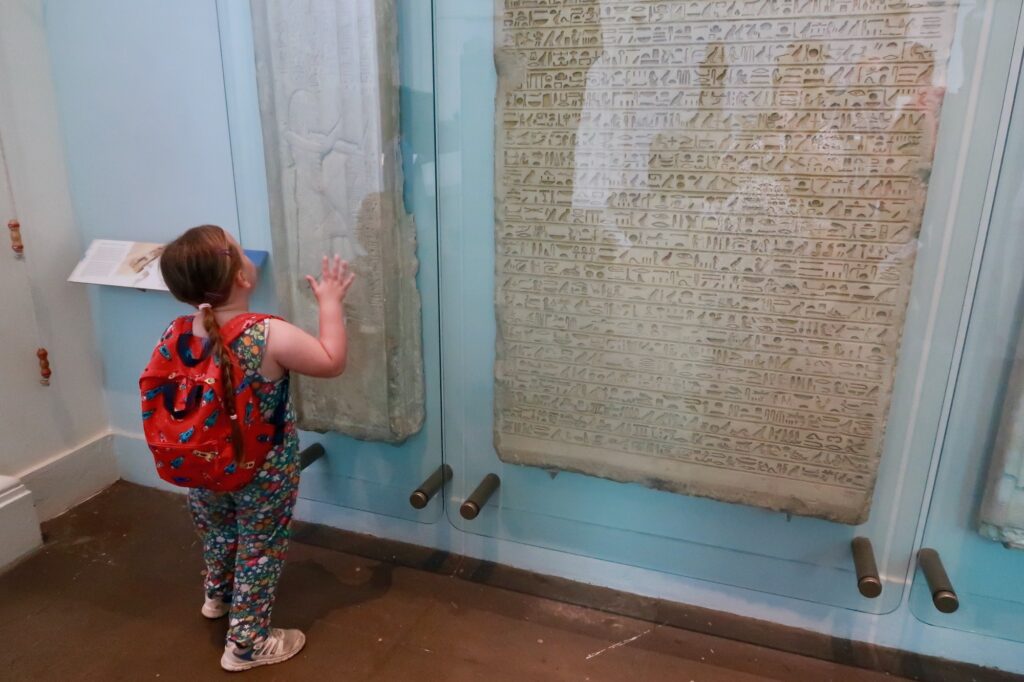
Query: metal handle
{"x": 422, "y": 495}
{"x": 44, "y": 366}
{"x": 943, "y": 595}
{"x": 474, "y": 503}
{"x": 311, "y": 454}
{"x": 16, "y": 244}
{"x": 868, "y": 582}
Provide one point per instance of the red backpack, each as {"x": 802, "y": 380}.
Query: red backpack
{"x": 183, "y": 415}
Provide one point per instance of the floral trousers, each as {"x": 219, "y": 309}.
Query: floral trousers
{"x": 245, "y": 537}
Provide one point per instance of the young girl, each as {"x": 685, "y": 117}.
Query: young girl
{"x": 245, "y": 533}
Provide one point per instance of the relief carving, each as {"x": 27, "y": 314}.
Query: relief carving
{"x": 328, "y": 86}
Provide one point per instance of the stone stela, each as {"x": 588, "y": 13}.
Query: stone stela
{"x": 706, "y": 219}
{"x": 327, "y": 77}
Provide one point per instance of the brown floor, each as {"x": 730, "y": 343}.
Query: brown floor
{"x": 115, "y": 595}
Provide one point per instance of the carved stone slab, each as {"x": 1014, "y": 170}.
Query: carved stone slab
{"x": 328, "y": 87}
{"x": 706, "y": 219}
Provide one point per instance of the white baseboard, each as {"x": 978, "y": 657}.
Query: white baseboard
{"x": 70, "y": 478}
{"x": 19, "y": 525}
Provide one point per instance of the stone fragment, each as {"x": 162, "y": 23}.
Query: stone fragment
{"x": 706, "y": 219}
{"x": 328, "y": 86}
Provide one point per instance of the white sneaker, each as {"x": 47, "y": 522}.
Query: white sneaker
{"x": 215, "y": 607}
{"x": 279, "y": 646}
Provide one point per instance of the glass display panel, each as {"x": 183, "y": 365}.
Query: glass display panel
{"x": 319, "y": 144}
{"x": 976, "y": 517}
{"x": 717, "y": 253}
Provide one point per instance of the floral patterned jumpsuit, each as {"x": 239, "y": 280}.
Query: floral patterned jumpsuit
{"x": 245, "y": 533}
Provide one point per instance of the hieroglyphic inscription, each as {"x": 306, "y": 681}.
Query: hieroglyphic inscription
{"x": 706, "y": 216}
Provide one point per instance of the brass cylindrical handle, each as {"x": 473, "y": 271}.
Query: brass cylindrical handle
{"x": 44, "y": 366}
{"x": 474, "y": 503}
{"x": 16, "y": 244}
{"x": 868, "y": 582}
{"x": 422, "y": 495}
{"x": 311, "y": 454}
{"x": 943, "y": 595}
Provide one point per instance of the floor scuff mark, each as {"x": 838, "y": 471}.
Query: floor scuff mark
{"x": 619, "y": 644}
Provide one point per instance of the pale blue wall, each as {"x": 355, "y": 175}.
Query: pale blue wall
{"x": 143, "y": 101}
{"x": 141, "y": 96}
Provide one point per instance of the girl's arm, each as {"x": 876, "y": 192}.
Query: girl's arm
{"x": 290, "y": 348}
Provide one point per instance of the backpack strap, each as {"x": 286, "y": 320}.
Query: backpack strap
{"x": 239, "y": 324}
{"x": 181, "y": 325}
{"x": 180, "y": 336}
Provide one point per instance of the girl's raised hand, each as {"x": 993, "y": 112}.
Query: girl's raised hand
{"x": 326, "y": 354}
{"x": 335, "y": 280}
